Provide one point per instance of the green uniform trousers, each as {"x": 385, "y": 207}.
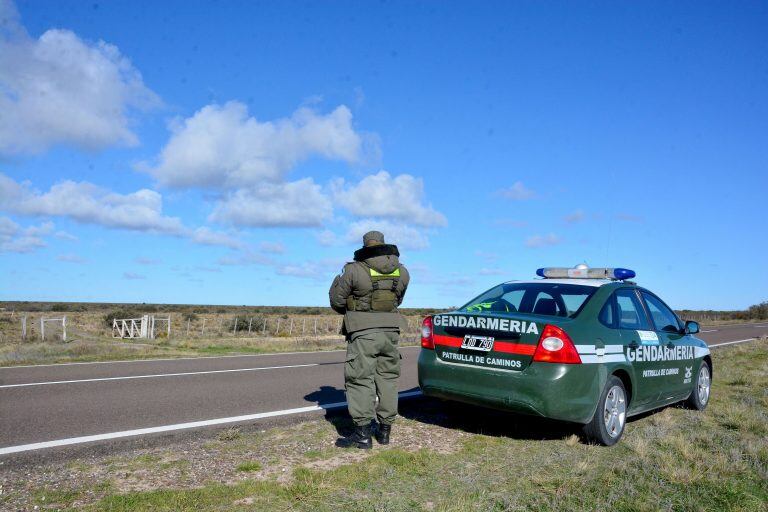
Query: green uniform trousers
{"x": 371, "y": 369}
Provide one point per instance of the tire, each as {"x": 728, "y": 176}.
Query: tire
{"x": 702, "y": 388}
{"x": 610, "y": 419}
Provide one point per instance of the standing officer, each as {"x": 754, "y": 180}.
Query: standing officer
{"x": 368, "y": 292}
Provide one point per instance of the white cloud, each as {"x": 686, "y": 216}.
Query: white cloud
{"x": 61, "y": 89}
{"x": 543, "y": 240}
{"x": 21, "y": 244}
{"x": 133, "y": 276}
{"x": 44, "y": 229}
{"x": 294, "y": 204}
{"x": 8, "y": 227}
{"x": 575, "y": 217}
{"x": 272, "y": 247}
{"x": 404, "y": 236}
{"x": 307, "y": 269}
{"x": 90, "y": 204}
{"x": 244, "y": 258}
{"x": 382, "y": 195}
{"x": 63, "y": 235}
{"x": 222, "y": 146}
{"x": 14, "y": 238}
{"x": 206, "y": 236}
{"x": 318, "y": 270}
{"x": 517, "y": 192}
{"x": 326, "y": 238}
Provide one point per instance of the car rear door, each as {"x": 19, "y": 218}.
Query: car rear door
{"x": 638, "y": 338}
{"x": 675, "y": 363}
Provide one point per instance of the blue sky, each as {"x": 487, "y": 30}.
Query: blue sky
{"x": 234, "y": 152}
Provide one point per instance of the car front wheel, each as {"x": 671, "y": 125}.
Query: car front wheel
{"x": 701, "y": 389}
{"x": 608, "y": 423}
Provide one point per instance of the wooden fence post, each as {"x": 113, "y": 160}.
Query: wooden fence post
{"x": 250, "y": 321}
{"x": 202, "y": 330}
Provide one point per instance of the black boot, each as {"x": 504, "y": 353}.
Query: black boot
{"x": 382, "y": 434}
{"x": 360, "y": 438}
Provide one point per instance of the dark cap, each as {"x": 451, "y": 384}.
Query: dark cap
{"x": 373, "y": 238}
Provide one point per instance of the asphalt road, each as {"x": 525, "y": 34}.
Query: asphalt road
{"x": 57, "y": 404}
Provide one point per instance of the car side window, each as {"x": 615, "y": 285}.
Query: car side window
{"x": 630, "y": 312}
{"x": 663, "y": 317}
{"x": 606, "y": 314}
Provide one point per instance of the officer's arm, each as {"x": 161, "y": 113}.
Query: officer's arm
{"x": 402, "y": 284}
{"x": 340, "y": 290}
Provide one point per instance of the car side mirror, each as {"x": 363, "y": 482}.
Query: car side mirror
{"x": 691, "y": 327}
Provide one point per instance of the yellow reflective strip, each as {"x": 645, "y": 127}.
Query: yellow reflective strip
{"x": 374, "y": 273}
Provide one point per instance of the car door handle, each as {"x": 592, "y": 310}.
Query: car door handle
{"x": 633, "y": 344}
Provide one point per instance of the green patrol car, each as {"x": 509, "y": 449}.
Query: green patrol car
{"x": 583, "y": 345}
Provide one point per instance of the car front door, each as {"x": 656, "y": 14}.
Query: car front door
{"x": 637, "y": 336}
{"x": 676, "y": 364}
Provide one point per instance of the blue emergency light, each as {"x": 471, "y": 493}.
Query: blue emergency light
{"x": 584, "y": 272}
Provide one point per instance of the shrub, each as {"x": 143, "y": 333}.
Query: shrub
{"x": 758, "y": 311}
{"x": 243, "y": 321}
{"x": 119, "y": 314}
{"x": 252, "y": 465}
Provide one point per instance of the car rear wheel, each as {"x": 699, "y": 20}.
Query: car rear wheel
{"x": 608, "y": 423}
{"x": 701, "y": 389}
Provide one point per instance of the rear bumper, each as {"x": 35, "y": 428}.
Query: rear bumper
{"x": 567, "y": 392}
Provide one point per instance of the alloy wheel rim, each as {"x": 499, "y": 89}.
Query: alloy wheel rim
{"x": 704, "y": 385}
{"x": 615, "y": 411}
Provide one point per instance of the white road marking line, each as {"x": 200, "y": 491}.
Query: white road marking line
{"x": 128, "y": 377}
{"x": 178, "y": 426}
{"x": 732, "y": 342}
{"x": 181, "y": 358}
{"x": 712, "y": 330}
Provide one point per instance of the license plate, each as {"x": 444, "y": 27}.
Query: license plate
{"x": 481, "y": 343}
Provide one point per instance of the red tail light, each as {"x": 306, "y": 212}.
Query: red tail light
{"x": 555, "y": 346}
{"x": 426, "y": 334}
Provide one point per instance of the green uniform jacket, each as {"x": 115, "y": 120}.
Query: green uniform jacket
{"x": 355, "y": 281}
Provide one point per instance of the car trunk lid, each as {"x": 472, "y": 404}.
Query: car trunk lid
{"x": 500, "y": 341}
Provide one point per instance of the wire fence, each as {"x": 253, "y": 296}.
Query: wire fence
{"x": 30, "y": 327}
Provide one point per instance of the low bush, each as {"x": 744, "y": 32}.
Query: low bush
{"x": 120, "y": 314}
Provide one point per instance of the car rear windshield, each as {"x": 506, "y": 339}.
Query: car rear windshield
{"x": 550, "y": 299}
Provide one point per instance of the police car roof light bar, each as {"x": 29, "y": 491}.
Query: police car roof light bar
{"x": 584, "y": 272}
